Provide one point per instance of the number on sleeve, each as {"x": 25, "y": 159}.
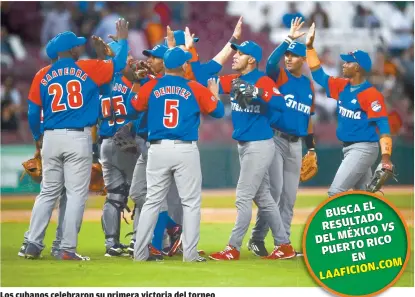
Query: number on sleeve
{"x": 74, "y": 97}
{"x": 171, "y": 113}
{"x": 118, "y": 106}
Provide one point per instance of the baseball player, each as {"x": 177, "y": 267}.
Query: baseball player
{"x": 289, "y": 127}
{"x": 360, "y": 109}
{"x": 69, "y": 95}
{"x": 138, "y": 189}
{"x": 50, "y": 52}
{"x": 174, "y": 105}
{"x": 117, "y": 165}
{"x": 255, "y": 146}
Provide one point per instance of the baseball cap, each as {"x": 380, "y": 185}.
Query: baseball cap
{"x": 50, "y": 50}
{"x": 360, "y": 57}
{"x": 115, "y": 47}
{"x": 297, "y": 48}
{"x": 179, "y": 37}
{"x": 175, "y": 57}
{"x": 249, "y": 48}
{"x": 67, "y": 40}
{"x": 158, "y": 51}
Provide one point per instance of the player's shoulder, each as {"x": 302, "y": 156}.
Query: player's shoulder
{"x": 43, "y": 71}
{"x": 92, "y": 62}
{"x": 370, "y": 92}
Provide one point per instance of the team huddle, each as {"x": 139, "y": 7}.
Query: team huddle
{"x": 138, "y": 122}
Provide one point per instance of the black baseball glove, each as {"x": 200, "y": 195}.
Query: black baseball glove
{"x": 244, "y": 92}
{"x": 125, "y": 140}
{"x": 380, "y": 177}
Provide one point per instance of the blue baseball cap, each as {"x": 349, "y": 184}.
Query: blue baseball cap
{"x": 179, "y": 37}
{"x": 297, "y": 48}
{"x": 50, "y": 50}
{"x": 67, "y": 40}
{"x": 158, "y": 51}
{"x": 360, "y": 57}
{"x": 249, "y": 48}
{"x": 175, "y": 57}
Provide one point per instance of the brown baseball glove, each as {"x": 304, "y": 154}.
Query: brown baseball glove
{"x": 33, "y": 167}
{"x": 97, "y": 181}
{"x": 309, "y": 166}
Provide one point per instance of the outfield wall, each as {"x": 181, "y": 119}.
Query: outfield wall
{"x": 220, "y": 166}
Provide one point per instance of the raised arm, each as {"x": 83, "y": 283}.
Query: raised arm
{"x": 227, "y": 51}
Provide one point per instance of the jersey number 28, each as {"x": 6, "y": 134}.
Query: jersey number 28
{"x": 74, "y": 98}
{"x": 171, "y": 113}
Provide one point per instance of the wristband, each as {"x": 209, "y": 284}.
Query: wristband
{"x": 386, "y": 145}
{"x": 233, "y": 39}
{"x": 309, "y": 141}
{"x": 288, "y": 39}
{"x": 312, "y": 59}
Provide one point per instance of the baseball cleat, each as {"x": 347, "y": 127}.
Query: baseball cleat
{"x": 22, "y": 250}
{"x": 200, "y": 259}
{"x": 116, "y": 251}
{"x": 257, "y": 247}
{"x": 281, "y": 252}
{"x": 131, "y": 248}
{"x": 65, "y": 255}
{"x": 155, "y": 254}
{"x": 228, "y": 254}
{"x": 54, "y": 252}
{"x": 175, "y": 234}
{"x": 299, "y": 254}
{"x": 32, "y": 252}
{"x": 175, "y": 246}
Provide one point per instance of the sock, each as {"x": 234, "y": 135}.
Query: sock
{"x": 170, "y": 223}
{"x": 159, "y": 230}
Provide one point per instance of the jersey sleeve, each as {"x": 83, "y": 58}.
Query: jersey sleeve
{"x": 100, "y": 71}
{"x": 336, "y": 86}
{"x": 373, "y": 103}
{"x": 269, "y": 88}
{"x": 127, "y": 82}
{"x": 140, "y": 101}
{"x": 282, "y": 77}
{"x": 34, "y": 92}
{"x": 205, "y": 99}
{"x": 313, "y": 102}
{"x": 226, "y": 83}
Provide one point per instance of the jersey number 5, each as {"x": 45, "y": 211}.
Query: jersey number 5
{"x": 171, "y": 113}
{"x": 74, "y": 98}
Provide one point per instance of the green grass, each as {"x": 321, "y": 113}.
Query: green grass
{"x": 303, "y": 201}
{"x": 110, "y": 272}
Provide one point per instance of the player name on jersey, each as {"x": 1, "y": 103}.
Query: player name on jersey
{"x": 166, "y": 90}
{"x": 291, "y": 103}
{"x": 356, "y": 115}
{"x": 120, "y": 88}
{"x": 249, "y": 108}
{"x": 64, "y": 72}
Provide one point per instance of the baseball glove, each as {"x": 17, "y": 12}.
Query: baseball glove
{"x": 124, "y": 139}
{"x": 97, "y": 181}
{"x": 243, "y": 92}
{"x": 379, "y": 178}
{"x": 309, "y": 166}
{"x": 33, "y": 167}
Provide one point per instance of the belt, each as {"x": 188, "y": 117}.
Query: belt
{"x": 175, "y": 142}
{"x": 69, "y": 129}
{"x": 346, "y": 144}
{"x": 288, "y": 137}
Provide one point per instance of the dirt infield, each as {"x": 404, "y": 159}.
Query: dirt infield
{"x": 209, "y": 215}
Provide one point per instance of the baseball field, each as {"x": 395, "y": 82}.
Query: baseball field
{"x": 218, "y": 215}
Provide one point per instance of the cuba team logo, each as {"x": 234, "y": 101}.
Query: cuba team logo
{"x": 376, "y": 107}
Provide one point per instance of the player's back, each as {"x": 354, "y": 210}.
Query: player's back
{"x": 173, "y": 111}
{"x": 299, "y": 99}
{"x": 69, "y": 96}
{"x": 113, "y": 105}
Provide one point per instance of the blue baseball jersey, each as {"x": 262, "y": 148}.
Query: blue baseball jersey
{"x": 114, "y": 104}
{"x": 69, "y": 92}
{"x": 252, "y": 123}
{"x": 174, "y": 106}
{"x": 358, "y": 109}
{"x": 299, "y": 99}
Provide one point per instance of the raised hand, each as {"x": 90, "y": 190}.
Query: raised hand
{"x": 188, "y": 38}
{"x": 296, "y": 25}
{"x": 171, "y": 42}
{"x": 237, "y": 33}
{"x": 213, "y": 86}
{"x": 101, "y": 48}
{"x": 310, "y": 36}
{"x": 122, "y": 29}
